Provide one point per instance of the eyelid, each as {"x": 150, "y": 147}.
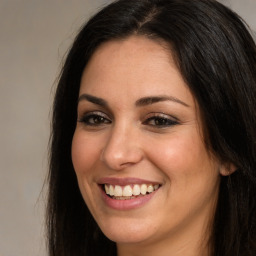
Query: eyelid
{"x": 91, "y": 113}
{"x": 156, "y": 117}
{"x": 161, "y": 115}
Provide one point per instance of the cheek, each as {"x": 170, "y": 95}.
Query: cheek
{"x": 185, "y": 161}
{"x": 85, "y": 152}
{"x": 179, "y": 152}
{"x": 85, "y": 156}
{"x": 191, "y": 175}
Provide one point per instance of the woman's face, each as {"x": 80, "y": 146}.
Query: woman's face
{"x": 138, "y": 152}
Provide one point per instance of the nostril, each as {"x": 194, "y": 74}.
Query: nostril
{"x": 121, "y": 151}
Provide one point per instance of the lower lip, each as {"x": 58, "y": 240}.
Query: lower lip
{"x": 128, "y": 204}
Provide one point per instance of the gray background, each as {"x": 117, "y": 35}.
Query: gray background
{"x": 34, "y": 36}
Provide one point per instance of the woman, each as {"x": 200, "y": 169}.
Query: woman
{"x": 153, "y": 134}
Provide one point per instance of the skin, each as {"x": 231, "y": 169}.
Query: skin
{"x": 133, "y": 141}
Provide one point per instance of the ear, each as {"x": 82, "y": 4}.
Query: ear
{"x": 227, "y": 169}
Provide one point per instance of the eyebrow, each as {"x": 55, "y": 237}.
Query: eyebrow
{"x": 139, "y": 103}
{"x": 93, "y": 99}
{"x": 154, "y": 99}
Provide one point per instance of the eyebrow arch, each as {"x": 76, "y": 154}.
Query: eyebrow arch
{"x": 154, "y": 99}
{"x": 139, "y": 103}
{"x": 93, "y": 99}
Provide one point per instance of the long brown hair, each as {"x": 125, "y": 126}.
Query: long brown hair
{"x": 217, "y": 57}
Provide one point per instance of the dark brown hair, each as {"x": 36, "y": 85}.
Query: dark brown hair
{"x": 216, "y": 56}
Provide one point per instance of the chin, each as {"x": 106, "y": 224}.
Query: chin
{"x": 127, "y": 230}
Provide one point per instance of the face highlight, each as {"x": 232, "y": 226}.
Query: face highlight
{"x": 138, "y": 152}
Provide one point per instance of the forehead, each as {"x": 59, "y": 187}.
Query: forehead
{"x": 134, "y": 66}
{"x": 134, "y": 49}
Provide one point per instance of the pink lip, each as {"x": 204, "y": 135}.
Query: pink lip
{"x": 125, "y": 204}
{"x": 129, "y": 204}
{"x": 125, "y": 181}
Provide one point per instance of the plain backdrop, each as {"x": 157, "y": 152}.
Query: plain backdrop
{"x": 34, "y": 37}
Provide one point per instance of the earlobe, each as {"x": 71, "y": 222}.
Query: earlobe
{"x": 227, "y": 169}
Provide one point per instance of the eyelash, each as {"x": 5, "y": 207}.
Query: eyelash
{"x": 160, "y": 120}
{"x": 94, "y": 119}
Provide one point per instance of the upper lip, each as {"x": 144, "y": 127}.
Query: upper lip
{"x": 125, "y": 181}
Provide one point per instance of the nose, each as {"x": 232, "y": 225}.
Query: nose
{"x": 122, "y": 149}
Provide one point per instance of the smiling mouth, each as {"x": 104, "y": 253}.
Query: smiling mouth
{"x": 129, "y": 191}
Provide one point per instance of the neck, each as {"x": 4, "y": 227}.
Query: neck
{"x": 165, "y": 248}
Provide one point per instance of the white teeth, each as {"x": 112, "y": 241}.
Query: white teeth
{"x": 106, "y": 189}
{"x": 156, "y": 187}
{"x": 118, "y": 191}
{"x": 129, "y": 190}
{"x": 111, "y": 190}
{"x": 143, "y": 189}
{"x": 136, "y": 190}
{"x": 150, "y": 189}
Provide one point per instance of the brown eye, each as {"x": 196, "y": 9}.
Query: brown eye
{"x": 160, "y": 121}
{"x": 94, "y": 119}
